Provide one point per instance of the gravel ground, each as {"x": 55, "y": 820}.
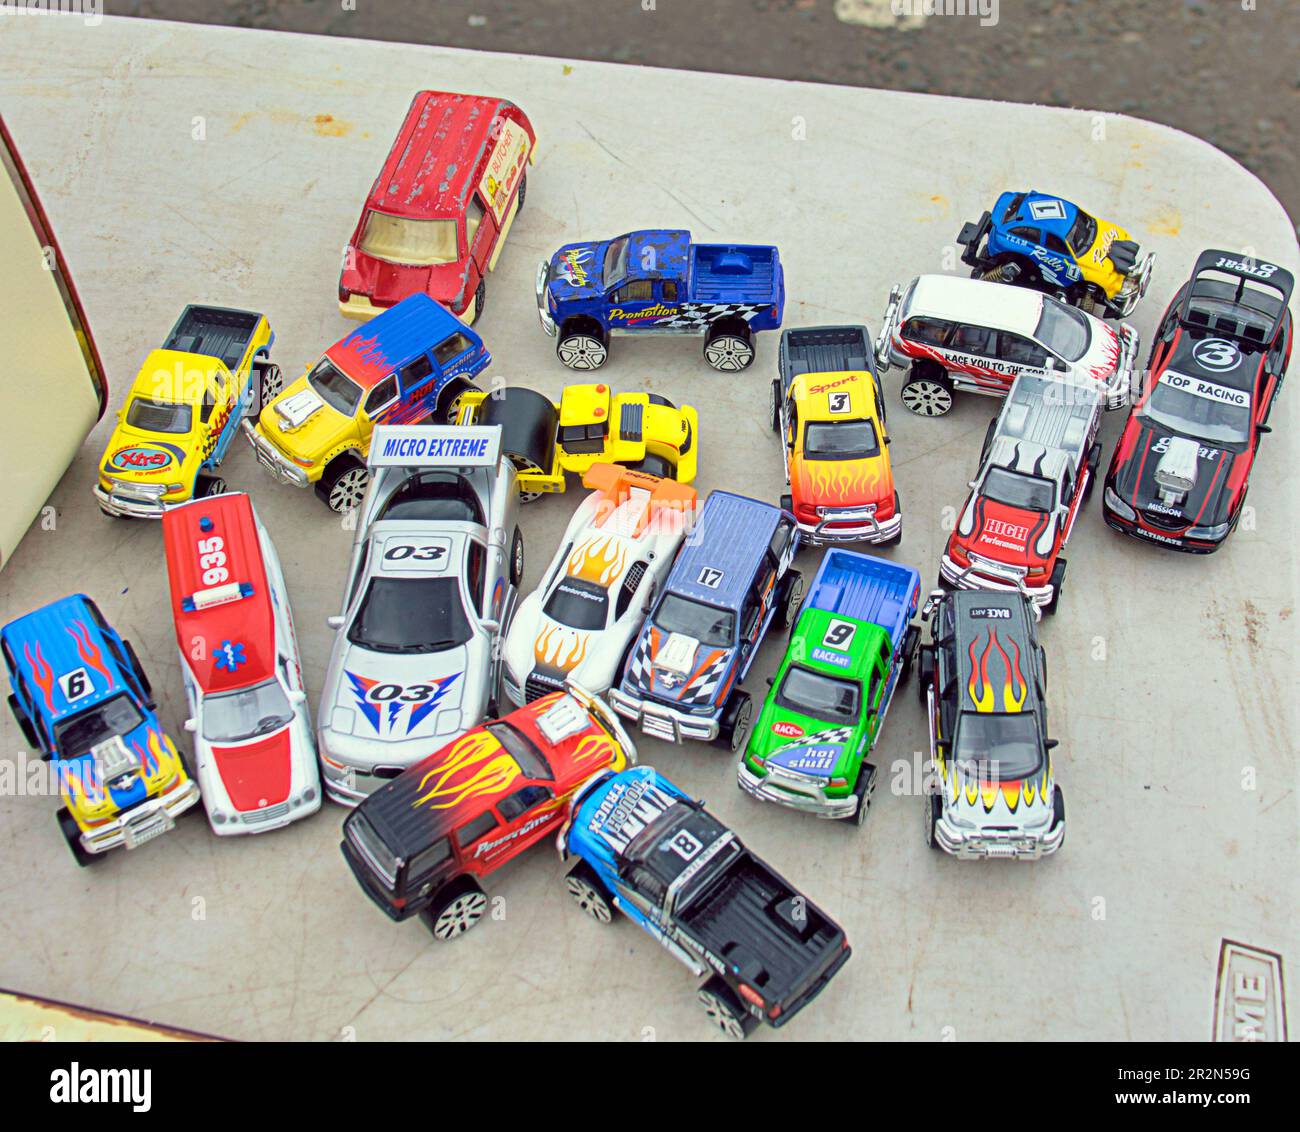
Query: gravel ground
{"x": 1224, "y": 70}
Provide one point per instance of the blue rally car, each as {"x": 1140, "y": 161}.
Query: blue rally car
{"x": 81, "y": 698}
{"x": 731, "y": 580}
{"x": 648, "y": 850}
{"x": 657, "y": 282}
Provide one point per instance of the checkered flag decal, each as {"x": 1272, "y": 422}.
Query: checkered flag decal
{"x": 696, "y": 316}
{"x": 638, "y": 671}
{"x": 705, "y": 686}
{"x": 830, "y": 735}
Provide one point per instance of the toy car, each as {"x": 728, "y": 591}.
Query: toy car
{"x": 982, "y": 679}
{"x": 731, "y": 580}
{"x": 658, "y": 282}
{"x": 432, "y": 586}
{"x": 591, "y": 425}
{"x": 81, "y": 698}
{"x": 1037, "y": 469}
{"x": 646, "y": 849}
{"x": 410, "y": 364}
{"x": 828, "y": 408}
{"x": 438, "y": 213}
{"x": 580, "y": 620}
{"x": 255, "y": 756}
{"x": 1040, "y": 241}
{"x": 1182, "y": 465}
{"x": 421, "y": 844}
{"x": 184, "y": 409}
{"x": 850, "y": 649}
{"x": 977, "y": 336}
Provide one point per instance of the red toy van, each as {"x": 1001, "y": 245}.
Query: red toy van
{"x": 438, "y": 213}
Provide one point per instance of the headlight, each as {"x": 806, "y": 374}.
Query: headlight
{"x": 1213, "y": 534}
{"x": 1116, "y": 504}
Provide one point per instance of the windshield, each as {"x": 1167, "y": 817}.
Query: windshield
{"x": 1083, "y": 233}
{"x": 1063, "y": 330}
{"x": 114, "y": 716}
{"x": 159, "y": 416}
{"x": 840, "y": 440}
{"x": 395, "y": 239}
{"x": 579, "y": 604}
{"x": 411, "y": 615}
{"x": 706, "y": 623}
{"x": 1018, "y": 489}
{"x": 615, "y": 266}
{"x": 232, "y": 717}
{"x": 337, "y": 391}
{"x": 1223, "y": 419}
{"x": 816, "y": 694}
{"x": 994, "y": 747}
{"x": 522, "y": 749}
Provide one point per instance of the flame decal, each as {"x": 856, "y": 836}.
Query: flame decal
{"x": 89, "y": 651}
{"x": 592, "y": 746}
{"x": 549, "y": 648}
{"x": 979, "y": 676}
{"x": 41, "y": 673}
{"x": 489, "y": 768}
{"x": 842, "y": 482}
{"x": 600, "y": 560}
{"x": 361, "y": 357}
{"x": 1015, "y": 678}
{"x": 1014, "y": 688}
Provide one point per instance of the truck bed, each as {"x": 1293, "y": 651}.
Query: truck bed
{"x": 731, "y": 273}
{"x": 824, "y": 349}
{"x": 216, "y": 332}
{"x": 866, "y": 589}
{"x": 737, "y": 917}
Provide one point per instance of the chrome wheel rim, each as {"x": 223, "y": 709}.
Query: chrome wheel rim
{"x": 927, "y": 398}
{"x": 460, "y": 915}
{"x": 741, "y": 730}
{"x": 728, "y": 353}
{"x": 272, "y": 384}
{"x": 518, "y": 559}
{"x": 720, "y": 1016}
{"x": 588, "y": 899}
{"x": 792, "y": 602}
{"x": 348, "y": 489}
{"x": 581, "y": 351}
{"x": 525, "y": 467}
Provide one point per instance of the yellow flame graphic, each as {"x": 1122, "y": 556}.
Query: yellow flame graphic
{"x": 495, "y": 771}
{"x": 549, "y": 648}
{"x": 599, "y": 559}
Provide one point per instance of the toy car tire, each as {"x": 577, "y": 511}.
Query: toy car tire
{"x": 480, "y": 297}
{"x": 725, "y": 1010}
{"x": 455, "y": 909}
{"x": 528, "y": 422}
{"x": 517, "y": 558}
{"x": 774, "y": 407}
{"x": 911, "y": 644}
{"x": 452, "y": 399}
{"x": 1094, "y": 462}
{"x": 1058, "y": 810}
{"x": 729, "y": 347}
{"x": 523, "y": 192}
{"x": 789, "y": 595}
{"x": 582, "y": 350}
{"x": 927, "y": 392}
{"x": 924, "y": 673}
{"x": 733, "y": 728}
{"x": 862, "y": 790}
{"x": 588, "y": 892}
{"x": 72, "y": 835}
{"x": 1056, "y": 581}
{"x": 24, "y": 724}
{"x": 933, "y": 812}
{"x": 270, "y": 381}
{"x": 894, "y": 540}
{"x": 343, "y": 485}
{"x": 206, "y": 486}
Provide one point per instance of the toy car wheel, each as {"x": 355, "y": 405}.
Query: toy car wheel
{"x": 911, "y": 643}
{"x": 895, "y": 539}
{"x": 206, "y": 486}
{"x": 654, "y": 465}
{"x": 862, "y": 791}
{"x": 24, "y": 724}
{"x": 517, "y": 558}
{"x": 270, "y": 381}
{"x": 1094, "y": 462}
{"x": 787, "y": 503}
{"x": 581, "y": 351}
{"x": 924, "y": 673}
{"x": 927, "y": 390}
{"x": 343, "y": 485}
{"x": 933, "y": 812}
{"x": 1058, "y": 809}
{"x": 523, "y": 192}
{"x": 457, "y": 909}
{"x": 774, "y": 406}
{"x": 588, "y": 893}
{"x": 480, "y": 297}
{"x": 1056, "y": 581}
{"x": 145, "y": 686}
{"x": 733, "y": 729}
{"x": 528, "y": 422}
{"x": 72, "y": 835}
{"x": 788, "y": 598}
{"x": 729, "y": 348}
{"x": 725, "y": 1010}
{"x": 453, "y": 399}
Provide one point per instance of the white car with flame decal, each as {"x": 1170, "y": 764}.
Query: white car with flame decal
{"x": 616, "y": 550}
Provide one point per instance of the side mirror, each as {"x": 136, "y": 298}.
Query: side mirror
{"x": 888, "y": 439}
{"x": 335, "y": 622}
{"x": 1263, "y": 428}
{"x": 771, "y": 680}
{"x": 1051, "y": 744}
{"x": 972, "y": 484}
{"x": 490, "y": 624}
{"x": 191, "y": 726}
{"x": 297, "y": 696}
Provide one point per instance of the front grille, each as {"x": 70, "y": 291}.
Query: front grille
{"x": 1165, "y": 522}
{"x": 271, "y": 813}
{"x": 535, "y": 687}
{"x": 660, "y": 728}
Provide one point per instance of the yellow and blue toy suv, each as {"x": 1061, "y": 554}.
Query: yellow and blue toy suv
{"x": 83, "y": 701}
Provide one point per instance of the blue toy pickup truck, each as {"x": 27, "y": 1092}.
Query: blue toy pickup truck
{"x": 648, "y": 850}
{"x": 731, "y": 580}
{"x": 81, "y": 698}
{"x": 658, "y": 282}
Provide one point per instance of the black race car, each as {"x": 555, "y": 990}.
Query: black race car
{"x": 1181, "y": 468}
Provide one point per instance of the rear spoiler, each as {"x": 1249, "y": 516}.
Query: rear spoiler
{"x": 618, "y": 480}
{"x": 1249, "y": 269}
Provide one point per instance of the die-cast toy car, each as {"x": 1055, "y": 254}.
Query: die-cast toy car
{"x": 184, "y": 410}
{"x": 967, "y": 334}
{"x": 658, "y": 282}
{"x": 432, "y": 586}
{"x": 82, "y": 700}
{"x": 254, "y": 753}
{"x": 1181, "y": 468}
{"x": 1040, "y": 241}
{"x": 421, "y": 844}
{"x": 982, "y": 678}
{"x": 829, "y": 411}
{"x": 646, "y": 849}
{"x": 409, "y": 364}
{"x": 437, "y": 215}
{"x": 580, "y": 620}
{"x": 1037, "y": 468}
{"x": 731, "y": 580}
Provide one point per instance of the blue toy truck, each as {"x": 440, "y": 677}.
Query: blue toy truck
{"x": 646, "y": 849}
{"x": 81, "y": 698}
{"x": 731, "y": 580}
{"x": 852, "y": 646}
{"x": 658, "y": 282}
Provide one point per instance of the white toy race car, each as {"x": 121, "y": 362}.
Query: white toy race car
{"x": 434, "y": 580}
{"x": 579, "y": 622}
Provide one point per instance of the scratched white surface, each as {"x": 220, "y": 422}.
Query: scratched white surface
{"x": 1117, "y": 937}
